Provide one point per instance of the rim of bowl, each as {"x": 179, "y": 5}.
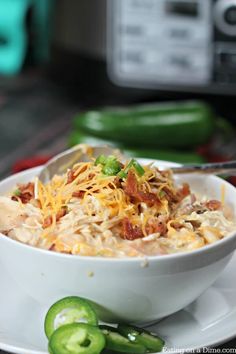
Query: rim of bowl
{"x": 172, "y": 256}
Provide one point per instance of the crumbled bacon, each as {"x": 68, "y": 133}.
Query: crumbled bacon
{"x": 157, "y": 225}
{"x": 132, "y": 190}
{"x": 78, "y": 194}
{"x": 27, "y": 188}
{"x": 213, "y": 205}
{"x": 147, "y": 197}
{"x": 61, "y": 213}
{"x": 16, "y": 199}
{"x": 170, "y": 195}
{"x": 195, "y": 223}
{"x": 25, "y": 197}
{"x": 26, "y": 193}
{"x": 117, "y": 182}
{"x": 177, "y": 225}
{"x": 47, "y": 222}
{"x": 130, "y": 232}
{"x": 73, "y": 174}
{"x": 173, "y": 197}
{"x": 91, "y": 176}
{"x": 70, "y": 176}
{"x": 184, "y": 191}
{"x": 131, "y": 185}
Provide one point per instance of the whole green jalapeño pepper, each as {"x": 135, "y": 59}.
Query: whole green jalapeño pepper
{"x": 181, "y": 156}
{"x": 161, "y": 125}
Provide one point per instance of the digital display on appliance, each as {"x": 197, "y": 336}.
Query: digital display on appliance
{"x": 182, "y": 8}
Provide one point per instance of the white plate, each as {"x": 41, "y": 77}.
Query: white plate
{"x": 209, "y": 321}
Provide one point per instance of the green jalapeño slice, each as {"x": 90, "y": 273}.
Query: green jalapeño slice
{"x": 150, "y": 340}
{"x": 119, "y": 343}
{"x": 77, "y": 338}
{"x": 69, "y": 310}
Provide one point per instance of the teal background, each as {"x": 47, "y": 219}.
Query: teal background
{"x": 13, "y": 32}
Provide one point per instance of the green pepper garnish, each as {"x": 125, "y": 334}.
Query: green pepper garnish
{"x": 133, "y": 163}
{"x": 139, "y": 169}
{"x": 162, "y": 194}
{"x": 122, "y": 174}
{"x": 100, "y": 160}
{"x": 17, "y": 192}
{"x": 111, "y": 166}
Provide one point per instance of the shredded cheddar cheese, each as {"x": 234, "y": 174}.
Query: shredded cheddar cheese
{"x": 86, "y": 212}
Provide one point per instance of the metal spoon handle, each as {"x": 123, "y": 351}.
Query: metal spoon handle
{"x": 219, "y": 168}
{"x": 62, "y": 162}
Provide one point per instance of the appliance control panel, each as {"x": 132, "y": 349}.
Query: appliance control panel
{"x": 177, "y": 43}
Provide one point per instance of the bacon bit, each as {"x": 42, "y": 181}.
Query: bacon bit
{"x": 149, "y": 198}
{"x": 131, "y": 189}
{"x": 131, "y": 232}
{"x": 26, "y": 193}
{"x": 131, "y": 185}
{"x": 117, "y": 182}
{"x": 47, "y": 222}
{"x": 27, "y": 188}
{"x": 83, "y": 169}
{"x": 184, "y": 191}
{"x": 16, "y": 199}
{"x": 177, "y": 225}
{"x": 78, "y": 194}
{"x": 25, "y": 197}
{"x": 195, "y": 223}
{"x": 70, "y": 176}
{"x": 111, "y": 185}
{"x": 170, "y": 196}
{"x": 91, "y": 175}
{"x": 61, "y": 213}
{"x": 155, "y": 225}
{"x": 213, "y": 205}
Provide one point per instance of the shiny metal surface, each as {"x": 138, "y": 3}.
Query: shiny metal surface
{"x": 219, "y": 168}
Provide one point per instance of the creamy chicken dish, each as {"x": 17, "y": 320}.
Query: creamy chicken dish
{"x": 110, "y": 209}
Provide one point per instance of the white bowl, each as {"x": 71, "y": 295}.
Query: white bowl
{"x": 123, "y": 289}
